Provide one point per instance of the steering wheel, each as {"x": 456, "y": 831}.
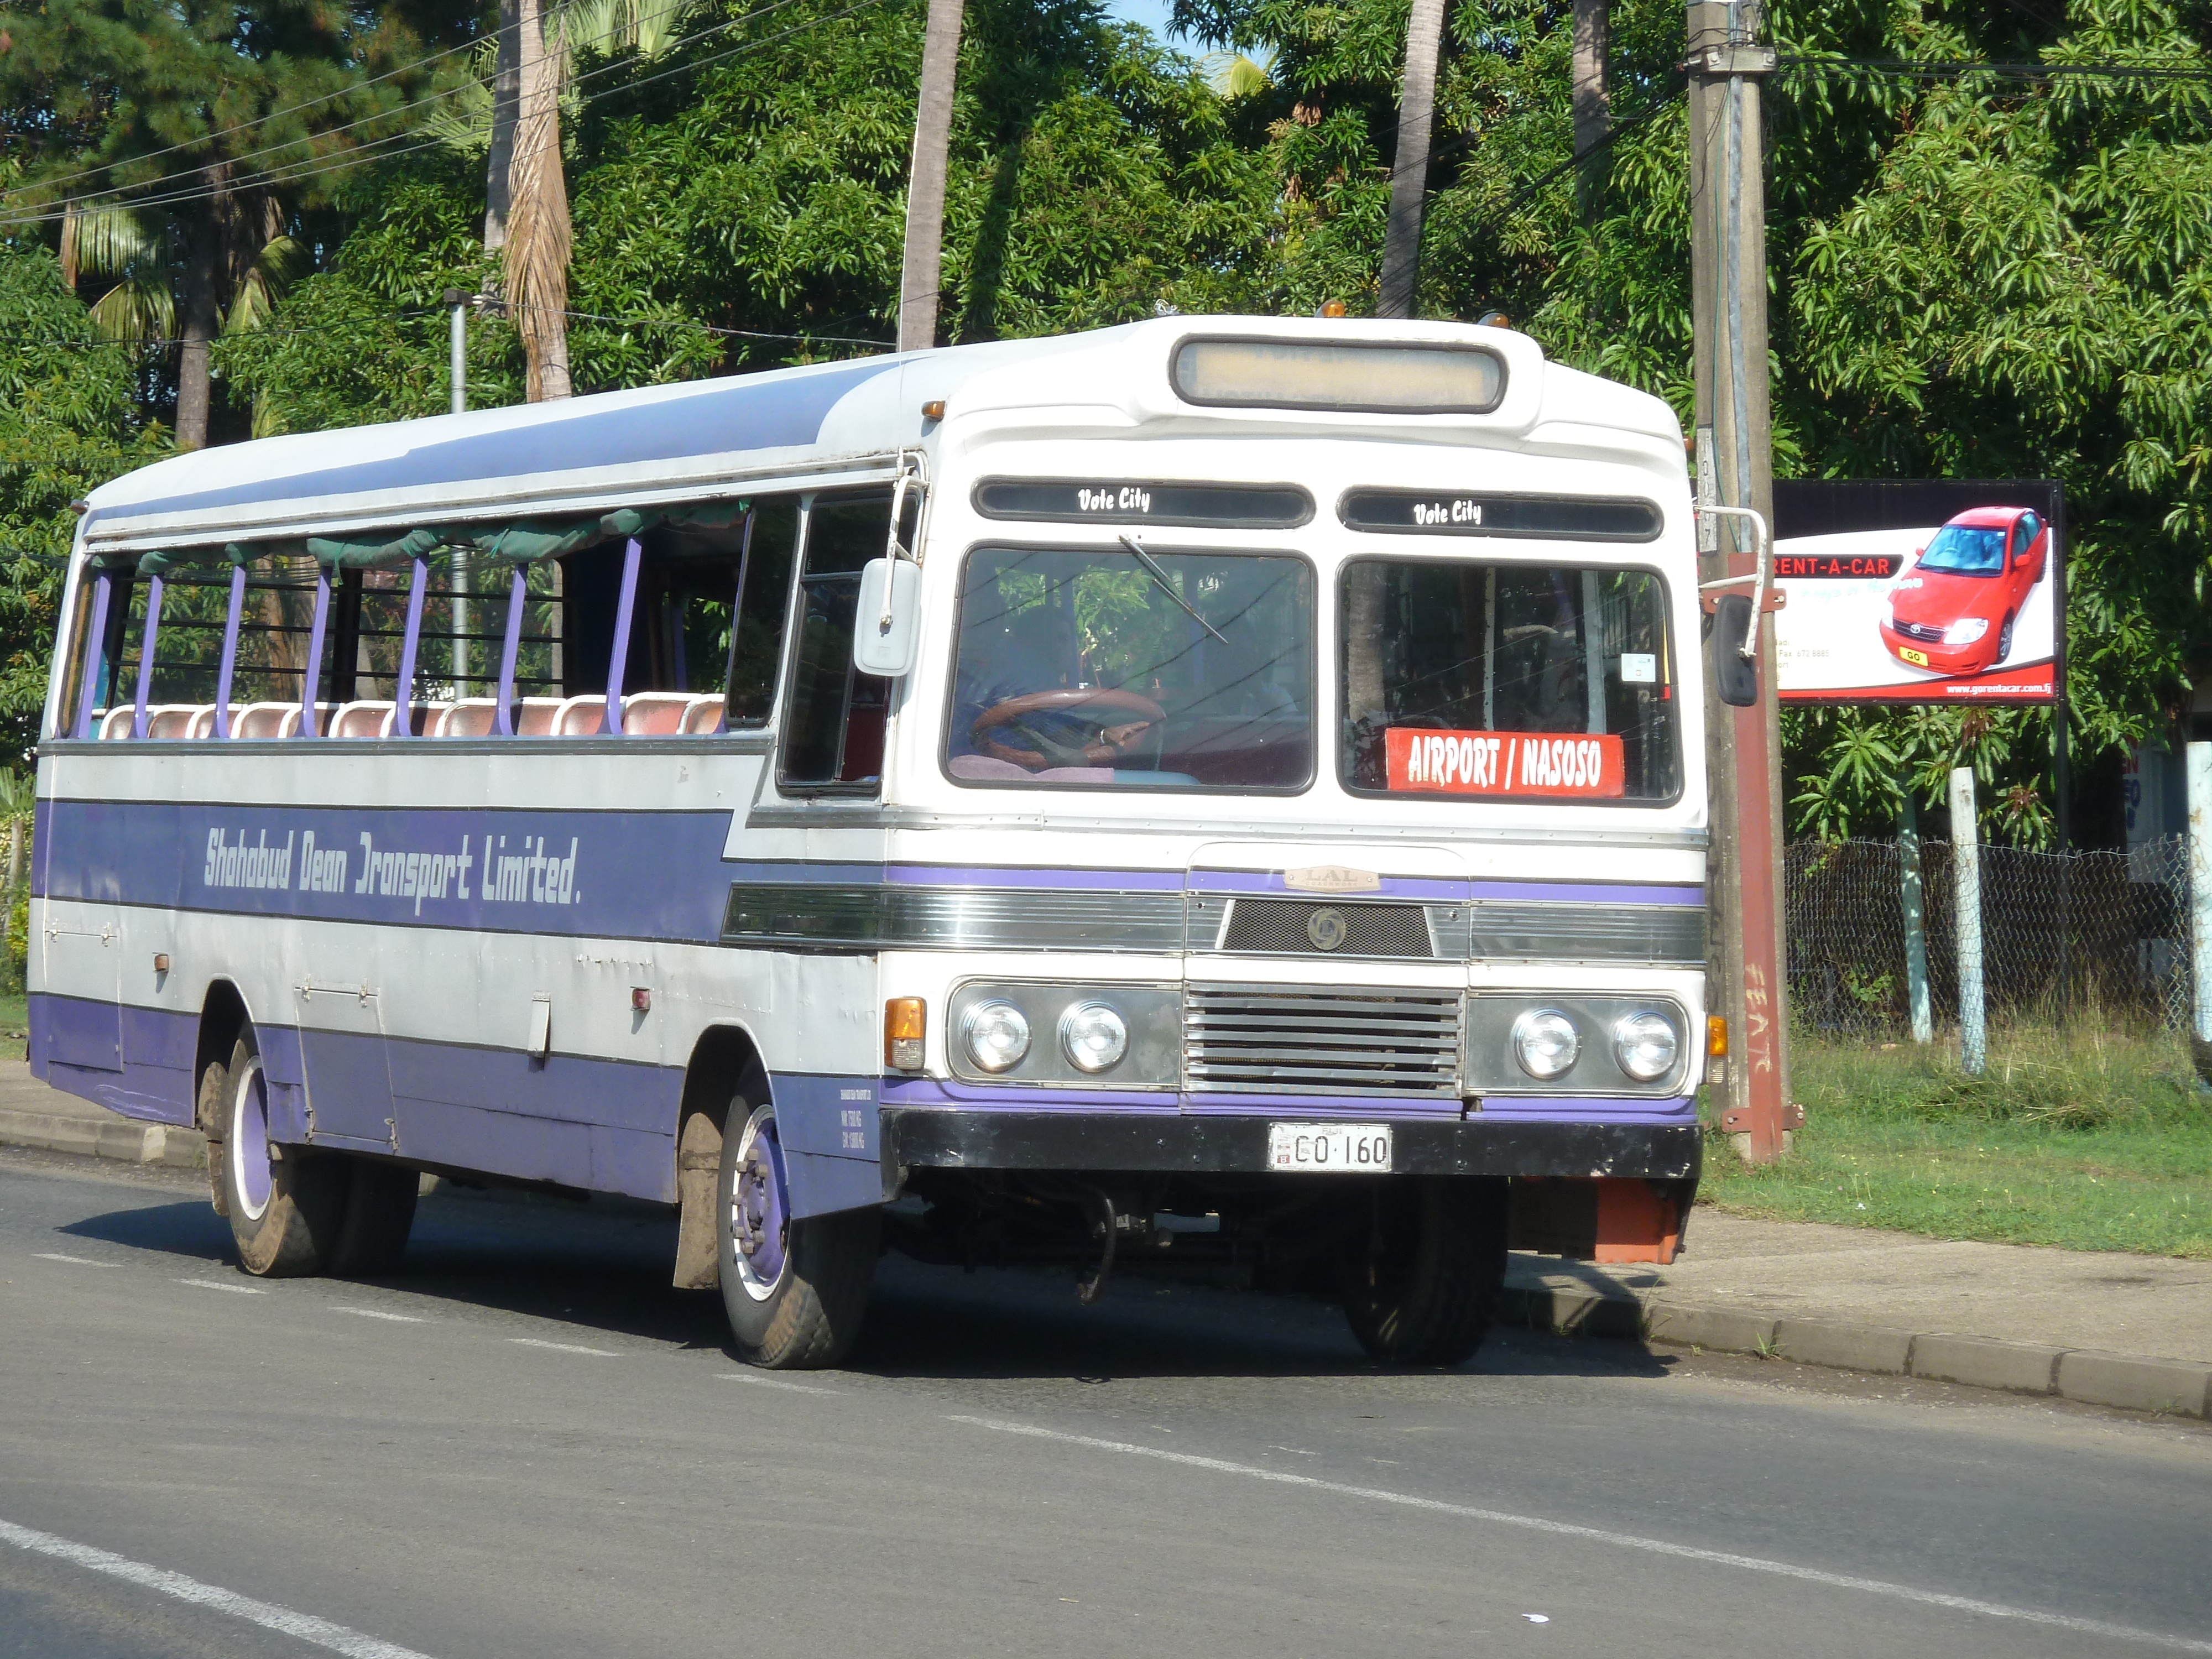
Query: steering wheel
{"x": 1030, "y": 718}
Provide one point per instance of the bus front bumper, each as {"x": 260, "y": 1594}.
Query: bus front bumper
{"x": 1170, "y": 1143}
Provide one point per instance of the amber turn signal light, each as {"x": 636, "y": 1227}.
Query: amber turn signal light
{"x": 1716, "y": 1036}
{"x": 906, "y": 1021}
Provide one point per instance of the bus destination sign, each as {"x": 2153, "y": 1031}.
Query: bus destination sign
{"x": 1559, "y": 518}
{"x": 1423, "y": 762}
{"x": 1114, "y": 500}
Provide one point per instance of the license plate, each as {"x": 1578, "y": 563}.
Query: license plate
{"x": 1917, "y": 658}
{"x": 1329, "y": 1148}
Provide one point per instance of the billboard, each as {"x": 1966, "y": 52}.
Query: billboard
{"x": 1919, "y": 591}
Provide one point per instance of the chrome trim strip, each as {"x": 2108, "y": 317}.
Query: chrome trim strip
{"x": 1545, "y": 930}
{"x": 838, "y": 916}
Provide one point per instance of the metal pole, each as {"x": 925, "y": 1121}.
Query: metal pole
{"x": 1916, "y": 922}
{"x": 1726, "y": 64}
{"x": 457, "y": 347}
{"x": 2199, "y": 763}
{"x": 1966, "y": 842}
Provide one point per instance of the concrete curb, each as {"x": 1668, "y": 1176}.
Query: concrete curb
{"x": 118, "y": 1138}
{"x": 2174, "y": 1388}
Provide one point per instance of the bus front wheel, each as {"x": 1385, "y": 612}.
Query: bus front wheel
{"x": 795, "y": 1288}
{"x": 1425, "y": 1264}
{"x": 285, "y": 1204}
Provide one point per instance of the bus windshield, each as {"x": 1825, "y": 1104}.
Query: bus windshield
{"x": 1124, "y": 668}
{"x": 1506, "y": 680}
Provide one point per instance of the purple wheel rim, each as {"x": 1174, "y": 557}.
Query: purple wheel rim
{"x": 760, "y": 1211}
{"x": 249, "y": 1144}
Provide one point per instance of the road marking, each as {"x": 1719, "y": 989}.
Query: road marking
{"x": 1623, "y": 1539}
{"x": 565, "y": 1348}
{"x": 304, "y": 1626}
{"x": 379, "y": 1313}
{"x": 760, "y": 1382}
{"x": 217, "y": 1285}
{"x": 74, "y": 1261}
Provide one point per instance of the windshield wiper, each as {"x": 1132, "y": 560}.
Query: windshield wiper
{"x": 1153, "y": 565}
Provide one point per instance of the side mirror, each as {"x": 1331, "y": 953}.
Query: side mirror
{"x": 886, "y": 625}
{"x": 1735, "y": 677}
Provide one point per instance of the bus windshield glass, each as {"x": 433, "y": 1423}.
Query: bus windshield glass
{"x": 1124, "y": 668}
{"x": 1505, "y": 681}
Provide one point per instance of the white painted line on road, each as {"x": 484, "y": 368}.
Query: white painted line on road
{"x": 304, "y": 1626}
{"x": 74, "y": 1261}
{"x": 379, "y": 1313}
{"x": 217, "y": 1285}
{"x": 565, "y": 1348}
{"x": 1623, "y": 1539}
{"x": 760, "y": 1382}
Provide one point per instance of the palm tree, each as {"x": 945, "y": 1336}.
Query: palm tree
{"x": 1409, "y": 175}
{"x": 1592, "y": 102}
{"x": 538, "y": 238}
{"x": 925, "y": 191}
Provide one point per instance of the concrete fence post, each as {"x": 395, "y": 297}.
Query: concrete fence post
{"x": 2199, "y": 765}
{"x": 1966, "y": 840}
{"x": 1914, "y": 899}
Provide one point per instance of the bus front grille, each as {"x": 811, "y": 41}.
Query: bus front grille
{"x": 1269, "y": 1040}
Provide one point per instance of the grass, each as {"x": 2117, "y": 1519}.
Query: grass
{"x": 2087, "y": 1140}
{"x": 15, "y": 1015}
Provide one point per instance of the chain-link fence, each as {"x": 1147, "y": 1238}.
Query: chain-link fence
{"x": 2063, "y": 934}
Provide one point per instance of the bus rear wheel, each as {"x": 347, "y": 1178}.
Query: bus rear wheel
{"x": 1425, "y": 1266}
{"x": 286, "y": 1204}
{"x": 795, "y": 1288}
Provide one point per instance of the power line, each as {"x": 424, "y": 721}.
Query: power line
{"x": 1912, "y": 68}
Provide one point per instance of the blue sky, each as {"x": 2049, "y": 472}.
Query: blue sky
{"x": 1152, "y": 14}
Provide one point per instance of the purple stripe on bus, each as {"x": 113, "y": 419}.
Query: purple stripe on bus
{"x": 1020, "y": 1097}
{"x": 656, "y": 875}
{"x": 1256, "y": 881}
{"x": 74, "y": 1031}
{"x": 615, "y": 429}
{"x": 1613, "y": 1110}
{"x": 136, "y": 1061}
{"x": 1590, "y": 892}
{"x": 1110, "y": 881}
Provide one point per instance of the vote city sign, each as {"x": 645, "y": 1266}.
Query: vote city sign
{"x": 1920, "y": 591}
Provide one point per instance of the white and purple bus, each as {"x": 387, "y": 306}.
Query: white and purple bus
{"x": 1225, "y": 791}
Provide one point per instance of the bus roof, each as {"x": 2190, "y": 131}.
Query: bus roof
{"x": 821, "y": 421}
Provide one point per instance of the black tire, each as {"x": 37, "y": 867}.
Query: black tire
{"x": 379, "y": 1212}
{"x": 805, "y": 1315}
{"x": 211, "y": 1114}
{"x": 286, "y": 1204}
{"x": 1426, "y": 1268}
{"x": 2004, "y": 643}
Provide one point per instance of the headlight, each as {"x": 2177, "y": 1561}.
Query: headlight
{"x": 1093, "y": 1035}
{"x": 997, "y": 1034}
{"x": 1646, "y": 1046}
{"x": 1545, "y": 1043}
{"x": 1966, "y": 630}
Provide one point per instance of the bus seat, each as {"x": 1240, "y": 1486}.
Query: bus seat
{"x": 288, "y": 723}
{"x": 171, "y": 720}
{"x": 702, "y": 716}
{"x": 470, "y": 717}
{"x": 117, "y": 721}
{"x": 536, "y": 717}
{"x": 582, "y": 717}
{"x": 654, "y": 714}
{"x": 262, "y": 720}
{"x": 362, "y": 719}
{"x": 202, "y": 724}
{"x": 423, "y": 718}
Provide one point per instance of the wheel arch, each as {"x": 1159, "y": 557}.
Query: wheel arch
{"x": 723, "y": 1060}
{"x": 223, "y": 1016}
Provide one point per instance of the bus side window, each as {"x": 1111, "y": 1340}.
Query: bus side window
{"x": 761, "y": 609}
{"x": 187, "y": 646}
{"x": 833, "y": 733}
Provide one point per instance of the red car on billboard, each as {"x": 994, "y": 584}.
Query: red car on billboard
{"x": 1952, "y": 611}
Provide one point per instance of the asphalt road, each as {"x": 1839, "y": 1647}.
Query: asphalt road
{"x": 526, "y": 1444}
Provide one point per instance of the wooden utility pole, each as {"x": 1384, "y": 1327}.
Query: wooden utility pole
{"x": 1726, "y": 64}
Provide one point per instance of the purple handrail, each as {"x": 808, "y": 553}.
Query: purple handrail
{"x": 503, "y": 716}
{"x": 402, "y": 690}
{"x": 146, "y": 637}
{"x": 618, "y": 662}
{"x": 311, "y": 678}
{"x": 222, "y": 676}
{"x": 95, "y": 652}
